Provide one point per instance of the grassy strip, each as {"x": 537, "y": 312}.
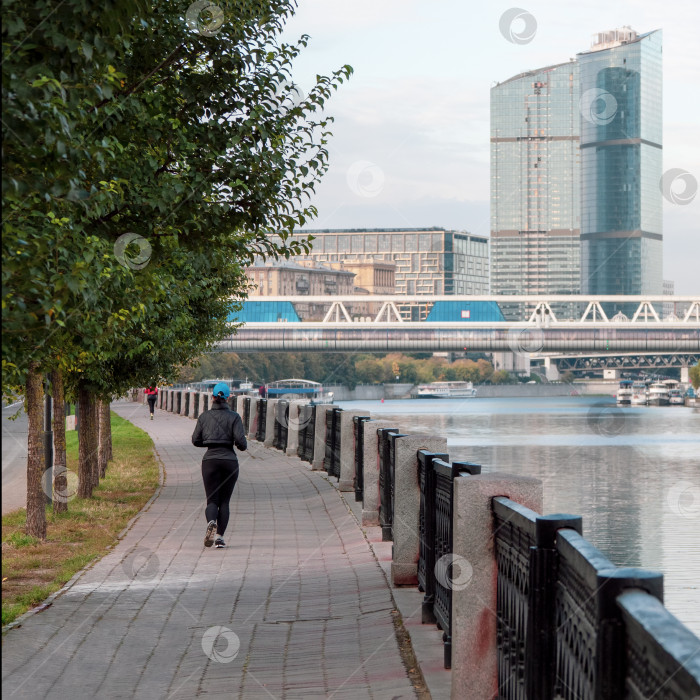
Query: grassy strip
{"x": 32, "y": 570}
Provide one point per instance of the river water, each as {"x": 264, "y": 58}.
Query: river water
{"x": 632, "y": 473}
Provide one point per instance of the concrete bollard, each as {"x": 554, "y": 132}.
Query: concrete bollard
{"x": 184, "y": 396}
{"x": 474, "y": 652}
{"x": 253, "y": 421}
{"x": 293, "y": 427}
{"x": 370, "y": 475}
{"x": 406, "y": 526}
{"x": 320, "y": 436}
{"x": 270, "y": 422}
{"x": 346, "y": 482}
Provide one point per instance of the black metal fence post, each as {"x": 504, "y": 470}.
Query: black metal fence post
{"x": 384, "y": 482}
{"x": 358, "y": 432}
{"x": 426, "y": 530}
{"x": 445, "y": 474}
{"x": 540, "y": 652}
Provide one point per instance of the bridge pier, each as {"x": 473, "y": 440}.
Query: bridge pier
{"x": 685, "y": 375}
{"x": 551, "y": 370}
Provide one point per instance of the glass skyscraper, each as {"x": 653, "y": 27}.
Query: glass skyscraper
{"x": 621, "y": 165}
{"x": 535, "y": 168}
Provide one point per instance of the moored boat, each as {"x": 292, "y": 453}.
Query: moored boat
{"x": 624, "y": 393}
{"x": 639, "y": 394}
{"x": 658, "y": 394}
{"x": 299, "y": 389}
{"x": 446, "y": 390}
{"x": 676, "y": 398}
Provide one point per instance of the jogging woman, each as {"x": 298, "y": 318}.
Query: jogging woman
{"x": 151, "y": 396}
{"x": 219, "y": 429}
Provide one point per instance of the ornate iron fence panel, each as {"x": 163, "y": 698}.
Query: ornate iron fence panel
{"x": 178, "y": 402}
{"x": 246, "y": 413}
{"x": 359, "y": 433}
{"x": 445, "y": 561}
{"x": 281, "y": 425}
{"x": 385, "y": 485}
{"x": 426, "y": 532}
{"x": 514, "y": 536}
{"x": 332, "y": 461}
{"x": 590, "y": 644}
{"x": 187, "y": 403}
{"x": 307, "y": 429}
{"x": 195, "y": 413}
{"x": 262, "y": 420}
{"x": 662, "y": 659}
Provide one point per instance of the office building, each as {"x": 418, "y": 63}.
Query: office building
{"x": 428, "y": 260}
{"x": 535, "y": 217}
{"x": 621, "y": 165}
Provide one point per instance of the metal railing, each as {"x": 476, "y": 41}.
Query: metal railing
{"x": 307, "y": 432}
{"x": 386, "y": 509}
{"x": 358, "y": 432}
{"x": 281, "y": 431}
{"x": 571, "y": 625}
{"x": 332, "y": 460}
{"x": 262, "y": 420}
{"x": 442, "y": 509}
{"x": 246, "y": 413}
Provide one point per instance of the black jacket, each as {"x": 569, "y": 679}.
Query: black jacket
{"x": 219, "y": 429}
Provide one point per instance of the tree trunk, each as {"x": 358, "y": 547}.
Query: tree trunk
{"x": 108, "y": 431}
{"x": 87, "y": 446}
{"x": 104, "y": 437}
{"x": 60, "y": 480}
{"x": 36, "y": 498}
{"x": 95, "y": 440}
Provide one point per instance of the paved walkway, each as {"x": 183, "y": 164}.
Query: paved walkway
{"x": 296, "y": 606}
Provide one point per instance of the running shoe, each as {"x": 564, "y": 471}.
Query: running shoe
{"x": 209, "y": 537}
{"x": 219, "y": 542}
{"x": 151, "y": 416}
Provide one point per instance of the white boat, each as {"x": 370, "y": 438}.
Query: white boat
{"x": 658, "y": 394}
{"x": 676, "y": 398}
{"x": 639, "y": 394}
{"x": 298, "y": 389}
{"x": 446, "y": 390}
{"x": 624, "y": 393}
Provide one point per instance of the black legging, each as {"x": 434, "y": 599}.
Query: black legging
{"x": 151, "y": 403}
{"x": 220, "y": 476}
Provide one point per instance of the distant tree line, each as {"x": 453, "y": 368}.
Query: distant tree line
{"x": 348, "y": 369}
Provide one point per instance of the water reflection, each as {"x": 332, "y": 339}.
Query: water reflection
{"x": 632, "y": 473}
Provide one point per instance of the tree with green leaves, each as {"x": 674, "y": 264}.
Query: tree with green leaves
{"x": 694, "y": 374}
{"x": 148, "y": 155}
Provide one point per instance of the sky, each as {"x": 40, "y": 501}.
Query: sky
{"x": 410, "y": 145}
